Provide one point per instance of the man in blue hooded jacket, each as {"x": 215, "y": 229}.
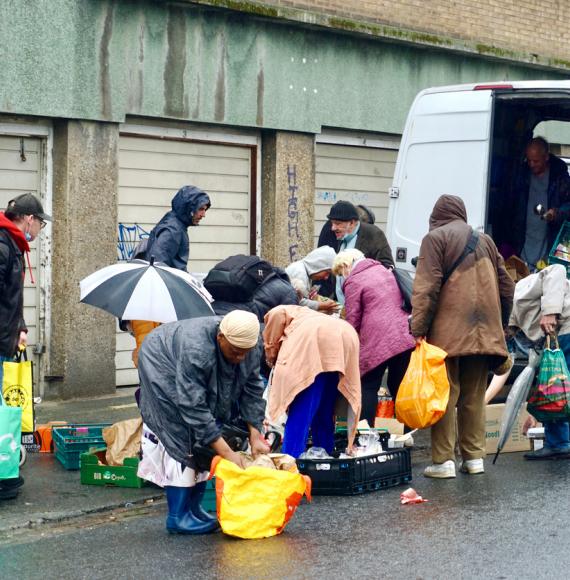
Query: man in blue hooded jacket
{"x": 168, "y": 241}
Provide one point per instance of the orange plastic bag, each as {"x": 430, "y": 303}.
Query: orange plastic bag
{"x": 256, "y": 502}
{"x": 424, "y": 392}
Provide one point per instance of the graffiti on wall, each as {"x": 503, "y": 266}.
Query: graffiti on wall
{"x": 129, "y": 236}
{"x": 293, "y": 213}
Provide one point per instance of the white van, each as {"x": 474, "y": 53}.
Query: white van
{"x": 465, "y": 140}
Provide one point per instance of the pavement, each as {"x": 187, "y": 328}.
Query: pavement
{"x": 52, "y": 493}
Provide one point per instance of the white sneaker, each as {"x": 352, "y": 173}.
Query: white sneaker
{"x": 472, "y": 466}
{"x": 441, "y": 470}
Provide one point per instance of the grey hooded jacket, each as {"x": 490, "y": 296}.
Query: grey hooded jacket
{"x": 168, "y": 241}
{"x": 188, "y": 389}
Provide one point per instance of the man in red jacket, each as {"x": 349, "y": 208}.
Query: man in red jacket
{"x": 20, "y": 224}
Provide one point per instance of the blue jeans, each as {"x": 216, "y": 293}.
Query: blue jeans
{"x": 313, "y": 407}
{"x": 557, "y": 433}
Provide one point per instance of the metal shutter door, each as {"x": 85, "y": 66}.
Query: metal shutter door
{"x": 151, "y": 171}
{"x": 16, "y": 177}
{"x": 361, "y": 175}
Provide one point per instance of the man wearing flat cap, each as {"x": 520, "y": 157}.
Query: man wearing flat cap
{"x": 196, "y": 376}
{"x": 350, "y": 232}
{"x": 20, "y": 224}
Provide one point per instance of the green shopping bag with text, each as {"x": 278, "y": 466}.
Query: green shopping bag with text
{"x": 10, "y": 436}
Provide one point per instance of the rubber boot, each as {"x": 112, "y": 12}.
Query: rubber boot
{"x": 195, "y": 505}
{"x": 9, "y": 488}
{"x": 180, "y": 519}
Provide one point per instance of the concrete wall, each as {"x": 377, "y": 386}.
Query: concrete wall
{"x": 82, "y": 349}
{"x": 288, "y": 202}
{"x": 108, "y": 59}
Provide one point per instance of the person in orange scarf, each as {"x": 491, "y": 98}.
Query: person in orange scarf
{"x": 315, "y": 363}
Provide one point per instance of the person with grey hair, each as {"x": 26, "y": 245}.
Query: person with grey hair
{"x": 540, "y": 203}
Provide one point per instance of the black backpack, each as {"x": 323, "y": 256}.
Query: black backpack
{"x": 236, "y": 278}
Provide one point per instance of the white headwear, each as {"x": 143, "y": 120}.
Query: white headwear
{"x": 241, "y": 328}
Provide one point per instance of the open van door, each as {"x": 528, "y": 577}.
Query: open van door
{"x": 443, "y": 131}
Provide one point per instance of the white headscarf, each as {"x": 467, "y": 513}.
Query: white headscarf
{"x": 241, "y": 328}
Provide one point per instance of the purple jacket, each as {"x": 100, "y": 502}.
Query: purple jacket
{"x": 373, "y": 306}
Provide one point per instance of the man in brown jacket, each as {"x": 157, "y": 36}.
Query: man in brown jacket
{"x": 464, "y": 315}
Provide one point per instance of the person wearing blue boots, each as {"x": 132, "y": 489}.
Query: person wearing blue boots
{"x": 197, "y": 376}
{"x": 542, "y": 307}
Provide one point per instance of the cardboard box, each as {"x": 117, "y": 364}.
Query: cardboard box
{"x": 393, "y": 425}
{"x": 516, "y": 441}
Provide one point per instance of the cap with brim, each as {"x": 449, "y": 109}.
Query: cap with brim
{"x": 28, "y": 204}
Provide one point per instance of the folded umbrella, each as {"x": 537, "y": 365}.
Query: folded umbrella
{"x": 517, "y": 395}
{"x": 141, "y": 290}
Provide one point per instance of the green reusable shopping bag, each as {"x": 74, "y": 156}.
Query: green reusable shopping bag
{"x": 549, "y": 398}
{"x": 10, "y": 436}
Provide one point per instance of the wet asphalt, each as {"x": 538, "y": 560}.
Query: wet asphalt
{"x": 511, "y": 522}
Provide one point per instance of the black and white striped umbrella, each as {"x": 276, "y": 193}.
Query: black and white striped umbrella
{"x": 141, "y": 290}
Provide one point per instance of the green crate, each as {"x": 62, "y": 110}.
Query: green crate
{"x": 70, "y": 441}
{"x": 563, "y": 234}
{"x": 93, "y": 473}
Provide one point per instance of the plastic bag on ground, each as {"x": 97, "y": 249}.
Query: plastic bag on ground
{"x": 424, "y": 393}
{"x": 256, "y": 502}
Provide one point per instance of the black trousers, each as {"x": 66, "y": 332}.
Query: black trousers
{"x": 370, "y": 382}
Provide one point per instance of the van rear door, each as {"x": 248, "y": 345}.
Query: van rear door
{"x": 444, "y": 150}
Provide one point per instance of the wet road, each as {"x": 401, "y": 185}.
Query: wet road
{"x": 490, "y": 526}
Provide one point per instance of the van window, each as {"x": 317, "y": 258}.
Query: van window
{"x": 518, "y": 117}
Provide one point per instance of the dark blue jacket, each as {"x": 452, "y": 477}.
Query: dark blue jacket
{"x": 276, "y": 291}
{"x": 168, "y": 241}
{"x": 558, "y": 197}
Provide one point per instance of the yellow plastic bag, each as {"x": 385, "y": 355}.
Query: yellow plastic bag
{"x": 17, "y": 389}
{"x": 256, "y": 502}
{"x": 424, "y": 392}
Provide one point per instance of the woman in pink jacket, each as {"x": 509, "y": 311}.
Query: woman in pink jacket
{"x": 373, "y": 306}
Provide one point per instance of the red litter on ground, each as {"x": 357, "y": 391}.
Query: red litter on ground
{"x": 411, "y": 496}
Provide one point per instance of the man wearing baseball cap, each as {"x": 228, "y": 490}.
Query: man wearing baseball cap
{"x": 352, "y": 233}
{"x": 20, "y": 224}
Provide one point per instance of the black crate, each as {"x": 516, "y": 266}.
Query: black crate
{"x": 359, "y": 474}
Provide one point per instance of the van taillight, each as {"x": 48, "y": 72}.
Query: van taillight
{"x": 492, "y": 87}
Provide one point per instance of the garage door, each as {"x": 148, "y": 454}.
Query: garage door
{"x": 20, "y": 164}
{"x": 361, "y": 175}
{"x": 150, "y": 172}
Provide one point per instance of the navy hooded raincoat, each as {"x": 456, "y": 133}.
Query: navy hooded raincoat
{"x": 168, "y": 241}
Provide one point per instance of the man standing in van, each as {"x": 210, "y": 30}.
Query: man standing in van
{"x": 543, "y": 182}
{"x": 461, "y": 302}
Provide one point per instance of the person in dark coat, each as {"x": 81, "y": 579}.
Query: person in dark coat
{"x": 352, "y": 233}
{"x": 328, "y": 238}
{"x": 544, "y": 181}
{"x": 20, "y": 224}
{"x": 197, "y": 375}
{"x": 276, "y": 291}
{"x": 465, "y": 315}
{"x": 168, "y": 241}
